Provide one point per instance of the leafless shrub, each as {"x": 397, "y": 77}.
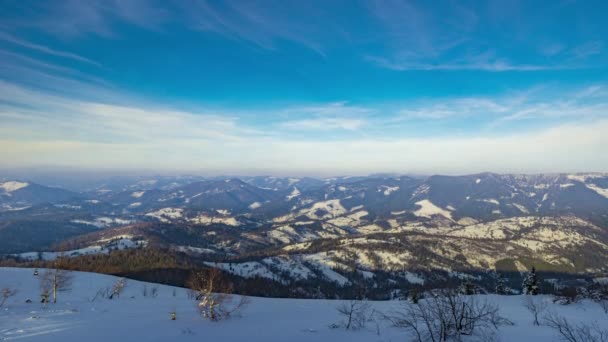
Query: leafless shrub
{"x": 354, "y": 314}
{"x": 536, "y": 308}
{"x": 187, "y": 331}
{"x": 103, "y": 293}
{"x": 567, "y": 295}
{"x": 576, "y": 332}
{"x": 376, "y": 317}
{"x": 5, "y": 294}
{"x": 55, "y": 281}
{"x": 604, "y": 304}
{"x": 154, "y": 291}
{"x": 213, "y": 294}
{"x": 118, "y": 288}
{"x": 447, "y": 315}
{"x": 497, "y": 320}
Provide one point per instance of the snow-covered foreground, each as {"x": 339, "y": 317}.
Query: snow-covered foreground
{"x": 77, "y": 317}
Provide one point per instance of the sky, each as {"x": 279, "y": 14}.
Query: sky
{"x": 304, "y": 87}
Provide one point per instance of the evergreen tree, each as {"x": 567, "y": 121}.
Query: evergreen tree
{"x": 531, "y": 283}
{"x": 467, "y": 288}
{"x": 414, "y": 295}
{"x": 501, "y": 286}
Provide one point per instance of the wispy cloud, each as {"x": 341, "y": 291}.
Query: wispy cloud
{"x": 58, "y": 113}
{"x": 551, "y": 49}
{"x": 324, "y": 124}
{"x": 564, "y": 148}
{"x": 546, "y": 105}
{"x": 587, "y": 49}
{"x": 491, "y": 66}
{"x": 332, "y": 116}
{"x": 403, "y": 35}
{"x": 452, "y": 108}
{"x": 61, "y": 118}
{"x": 73, "y": 18}
{"x": 262, "y": 23}
{"x": 44, "y": 49}
{"x": 43, "y": 74}
{"x": 40, "y": 128}
{"x": 459, "y": 38}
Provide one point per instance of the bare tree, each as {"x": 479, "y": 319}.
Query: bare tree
{"x": 376, "y": 317}
{"x": 5, "y": 294}
{"x": 604, "y": 304}
{"x": 354, "y": 314}
{"x": 154, "y": 291}
{"x": 54, "y": 281}
{"x": 118, "y": 288}
{"x": 576, "y": 332}
{"x": 214, "y": 295}
{"x": 536, "y": 308}
{"x": 104, "y": 293}
{"x": 447, "y": 315}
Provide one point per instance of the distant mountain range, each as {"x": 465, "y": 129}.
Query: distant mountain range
{"x": 275, "y": 226}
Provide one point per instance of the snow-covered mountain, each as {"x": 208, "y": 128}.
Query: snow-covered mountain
{"x": 415, "y": 225}
{"x": 19, "y": 195}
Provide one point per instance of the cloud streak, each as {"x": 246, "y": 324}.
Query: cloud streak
{"x": 459, "y": 38}
{"x": 490, "y": 66}
{"x": 566, "y": 148}
{"x": 42, "y": 129}
{"x": 402, "y": 35}
{"x": 44, "y": 49}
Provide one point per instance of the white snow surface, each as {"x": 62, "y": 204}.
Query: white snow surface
{"x": 255, "y": 205}
{"x": 194, "y": 250}
{"x": 428, "y": 209}
{"x": 137, "y": 194}
{"x": 413, "y": 278}
{"x": 13, "y": 186}
{"x": 166, "y": 214}
{"x": 331, "y": 209}
{"x": 208, "y": 220}
{"x": 584, "y": 178}
{"x": 77, "y": 317}
{"x": 389, "y": 189}
{"x": 293, "y": 194}
{"x": 600, "y": 191}
{"x": 250, "y": 269}
{"x": 102, "y": 222}
{"x": 119, "y": 243}
{"x": 521, "y": 208}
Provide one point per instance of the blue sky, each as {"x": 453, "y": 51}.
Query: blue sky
{"x": 304, "y": 87}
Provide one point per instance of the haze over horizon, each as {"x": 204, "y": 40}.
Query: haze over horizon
{"x": 314, "y": 88}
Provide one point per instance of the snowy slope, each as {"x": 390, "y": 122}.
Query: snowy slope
{"x": 12, "y": 186}
{"x": 77, "y": 317}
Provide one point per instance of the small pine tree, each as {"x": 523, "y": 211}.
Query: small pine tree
{"x": 467, "y": 288}
{"x": 414, "y": 295}
{"x": 501, "y": 285}
{"x": 531, "y": 283}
